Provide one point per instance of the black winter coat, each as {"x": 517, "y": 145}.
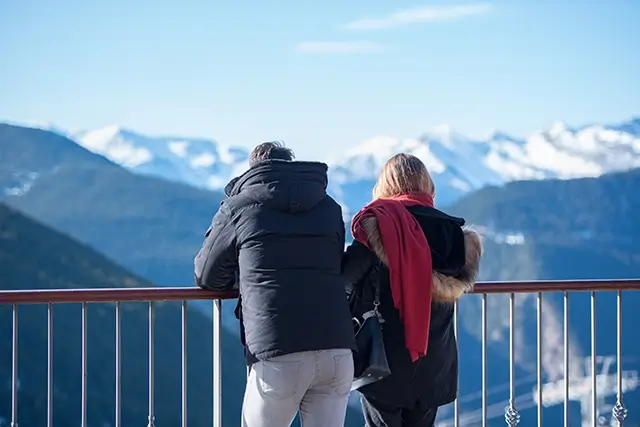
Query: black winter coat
{"x": 284, "y": 236}
{"x": 432, "y": 380}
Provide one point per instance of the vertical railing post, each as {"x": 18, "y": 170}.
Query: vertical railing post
{"x": 594, "y": 375}
{"x": 118, "y": 420}
{"x": 484, "y": 360}
{"x": 152, "y": 368}
{"x": 566, "y": 359}
{"x": 456, "y": 326}
{"x": 217, "y": 364}
{"x": 14, "y": 368}
{"x": 619, "y": 411}
{"x": 184, "y": 363}
{"x": 49, "y": 365}
{"x": 539, "y": 354}
{"x": 83, "y": 404}
{"x": 511, "y": 416}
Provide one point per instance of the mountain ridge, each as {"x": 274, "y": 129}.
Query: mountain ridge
{"x": 199, "y": 162}
{"x": 459, "y": 164}
{"x": 90, "y": 197}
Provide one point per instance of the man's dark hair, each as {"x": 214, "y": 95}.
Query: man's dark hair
{"x": 273, "y": 150}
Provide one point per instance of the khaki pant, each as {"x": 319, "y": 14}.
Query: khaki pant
{"x": 316, "y": 383}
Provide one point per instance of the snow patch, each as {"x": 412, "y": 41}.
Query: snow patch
{"x": 110, "y": 143}
{"x": 203, "y": 160}
{"x": 195, "y": 161}
{"x": 24, "y": 183}
{"x": 179, "y": 148}
{"x": 505, "y": 237}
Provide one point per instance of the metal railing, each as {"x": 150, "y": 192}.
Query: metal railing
{"x": 554, "y": 392}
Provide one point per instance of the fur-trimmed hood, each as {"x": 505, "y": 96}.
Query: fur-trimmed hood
{"x": 445, "y": 288}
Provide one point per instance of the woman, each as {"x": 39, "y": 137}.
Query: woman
{"x": 423, "y": 260}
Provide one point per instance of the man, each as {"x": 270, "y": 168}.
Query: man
{"x": 283, "y": 237}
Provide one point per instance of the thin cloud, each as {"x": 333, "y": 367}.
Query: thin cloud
{"x": 419, "y": 15}
{"x": 338, "y": 47}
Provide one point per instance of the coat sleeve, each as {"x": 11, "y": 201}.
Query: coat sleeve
{"x": 342, "y": 234}
{"x": 216, "y": 264}
{"x": 356, "y": 263}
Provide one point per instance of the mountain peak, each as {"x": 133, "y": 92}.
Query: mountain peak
{"x": 111, "y": 142}
{"x": 101, "y": 135}
{"x": 111, "y": 128}
{"x": 445, "y": 135}
{"x": 631, "y": 126}
{"x": 498, "y": 135}
{"x": 558, "y": 127}
{"x": 441, "y": 129}
{"x": 196, "y": 161}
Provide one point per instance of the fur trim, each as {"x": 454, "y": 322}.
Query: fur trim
{"x": 445, "y": 288}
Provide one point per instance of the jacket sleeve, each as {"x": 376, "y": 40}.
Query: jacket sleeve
{"x": 342, "y": 235}
{"x": 216, "y": 264}
{"x": 356, "y": 263}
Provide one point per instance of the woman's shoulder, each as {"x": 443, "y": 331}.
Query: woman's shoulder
{"x": 427, "y": 212}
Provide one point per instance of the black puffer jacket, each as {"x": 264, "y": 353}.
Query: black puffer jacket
{"x": 285, "y": 237}
{"x": 433, "y": 379}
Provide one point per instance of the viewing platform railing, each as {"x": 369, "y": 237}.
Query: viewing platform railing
{"x": 563, "y": 391}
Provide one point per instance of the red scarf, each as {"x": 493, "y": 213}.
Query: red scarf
{"x": 409, "y": 261}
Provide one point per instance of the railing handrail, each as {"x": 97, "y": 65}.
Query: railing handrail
{"x": 45, "y": 296}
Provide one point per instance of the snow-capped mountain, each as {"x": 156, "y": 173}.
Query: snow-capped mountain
{"x": 459, "y": 164}
{"x": 451, "y": 158}
{"x": 199, "y": 162}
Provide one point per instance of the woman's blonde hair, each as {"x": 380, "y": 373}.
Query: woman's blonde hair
{"x": 403, "y": 174}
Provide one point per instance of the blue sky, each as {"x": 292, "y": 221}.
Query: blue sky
{"x": 320, "y": 75}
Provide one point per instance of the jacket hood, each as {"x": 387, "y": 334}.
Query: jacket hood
{"x": 445, "y": 288}
{"x": 289, "y": 186}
